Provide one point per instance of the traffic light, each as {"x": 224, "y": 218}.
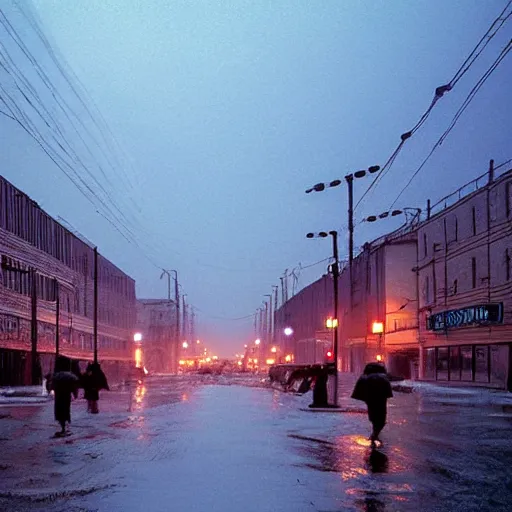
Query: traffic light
{"x": 329, "y": 356}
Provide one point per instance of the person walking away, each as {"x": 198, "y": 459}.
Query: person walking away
{"x": 64, "y": 384}
{"x": 374, "y": 388}
{"x": 93, "y": 381}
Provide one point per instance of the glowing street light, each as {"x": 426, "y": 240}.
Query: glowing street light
{"x": 288, "y": 331}
{"x": 377, "y": 327}
{"x": 257, "y": 342}
{"x": 331, "y": 323}
{"x": 185, "y": 344}
{"x": 137, "y": 337}
{"x": 273, "y": 350}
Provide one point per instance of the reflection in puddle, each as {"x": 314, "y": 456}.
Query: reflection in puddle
{"x": 373, "y": 474}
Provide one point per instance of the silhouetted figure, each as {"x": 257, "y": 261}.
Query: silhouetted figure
{"x": 374, "y": 388}
{"x": 64, "y": 383}
{"x": 93, "y": 381}
{"x": 321, "y": 376}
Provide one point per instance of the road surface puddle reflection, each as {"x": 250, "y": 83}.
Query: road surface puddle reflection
{"x": 371, "y": 479}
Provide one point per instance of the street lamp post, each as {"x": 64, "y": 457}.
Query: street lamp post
{"x": 378, "y": 328}
{"x": 176, "y": 297}
{"x": 349, "y": 178}
{"x": 335, "y": 269}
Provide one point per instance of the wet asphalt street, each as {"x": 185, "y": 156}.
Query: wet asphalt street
{"x": 191, "y": 444}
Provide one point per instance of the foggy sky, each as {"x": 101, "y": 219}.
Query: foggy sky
{"x": 228, "y": 111}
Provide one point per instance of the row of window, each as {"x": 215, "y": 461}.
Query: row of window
{"x": 25, "y": 219}
{"x": 471, "y": 363}
{"x": 15, "y": 328}
{"x": 430, "y": 284}
{"x": 17, "y": 277}
{"x": 451, "y": 222}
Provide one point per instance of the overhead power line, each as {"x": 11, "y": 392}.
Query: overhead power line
{"x": 469, "y": 98}
{"x": 440, "y": 91}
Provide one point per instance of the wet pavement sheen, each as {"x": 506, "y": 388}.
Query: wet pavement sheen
{"x": 190, "y": 444}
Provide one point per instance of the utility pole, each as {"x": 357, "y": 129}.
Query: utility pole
{"x": 33, "y": 328}
{"x": 282, "y": 290}
{"x": 265, "y": 324}
{"x": 185, "y": 316}
{"x": 193, "y": 327}
{"x": 275, "y": 288}
{"x": 176, "y": 299}
{"x": 269, "y": 327}
{"x": 350, "y": 182}
{"x": 335, "y": 275}
{"x": 95, "y": 312}
{"x": 57, "y": 315}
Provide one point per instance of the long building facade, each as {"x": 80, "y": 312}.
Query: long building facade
{"x": 465, "y": 286}
{"x": 439, "y": 290}
{"x": 383, "y": 293}
{"x": 40, "y": 261}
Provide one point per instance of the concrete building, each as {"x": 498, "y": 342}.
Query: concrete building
{"x": 39, "y": 254}
{"x": 465, "y": 285}
{"x": 305, "y": 313}
{"x": 156, "y": 321}
{"x": 383, "y": 292}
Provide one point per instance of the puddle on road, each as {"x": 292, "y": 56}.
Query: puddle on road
{"x": 370, "y": 479}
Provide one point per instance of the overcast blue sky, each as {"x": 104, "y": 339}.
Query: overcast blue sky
{"x": 228, "y": 111}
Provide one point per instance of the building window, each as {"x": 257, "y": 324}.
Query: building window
{"x": 427, "y": 290}
{"x": 482, "y": 363}
{"x": 474, "y": 220}
{"x": 456, "y": 229}
{"x": 425, "y": 248}
{"x": 507, "y": 264}
{"x": 455, "y": 286}
{"x": 499, "y": 356}
{"x": 473, "y": 272}
{"x": 466, "y": 363}
{"x": 508, "y": 197}
{"x": 455, "y": 367}
{"x": 430, "y": 363}
{"x": 442, "y": 363}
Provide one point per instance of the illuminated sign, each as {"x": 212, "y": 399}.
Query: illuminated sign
{"x": 474, "y": 315}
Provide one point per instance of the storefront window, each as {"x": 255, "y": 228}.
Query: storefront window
{"x": 442, "y": 363}
{"x": 454, "y": 363}
{"x": 499, "y": 363}
{"x": 481, "y": 363}
{"x": 430, "y": 363}
{"x": 466, "y": 362}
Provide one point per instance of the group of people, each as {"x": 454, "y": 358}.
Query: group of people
{"x": 66, "y": 380}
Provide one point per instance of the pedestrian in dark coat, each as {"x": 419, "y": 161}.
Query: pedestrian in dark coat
{"x": 374, "y": 388}
{"x": 93, "y": 381}
{"x": 64, "y": 384}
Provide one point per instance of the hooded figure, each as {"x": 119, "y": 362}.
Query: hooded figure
{"x": 374, "y": 388}
{"x": 93, "y": 381}
{"x": 64, "y": 383}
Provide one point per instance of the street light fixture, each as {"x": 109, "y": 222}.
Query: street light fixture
{"x": 394, "y": 213}
{"x": 378, "y": 328}
{"x": 185, "y": 344}
{"x": 335, "y": 269}
{"x": 137, "y": 337}
{"x": 288, "y": 331}
{"x": 257, "y": 342}
{"x": 349, "y": 178}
